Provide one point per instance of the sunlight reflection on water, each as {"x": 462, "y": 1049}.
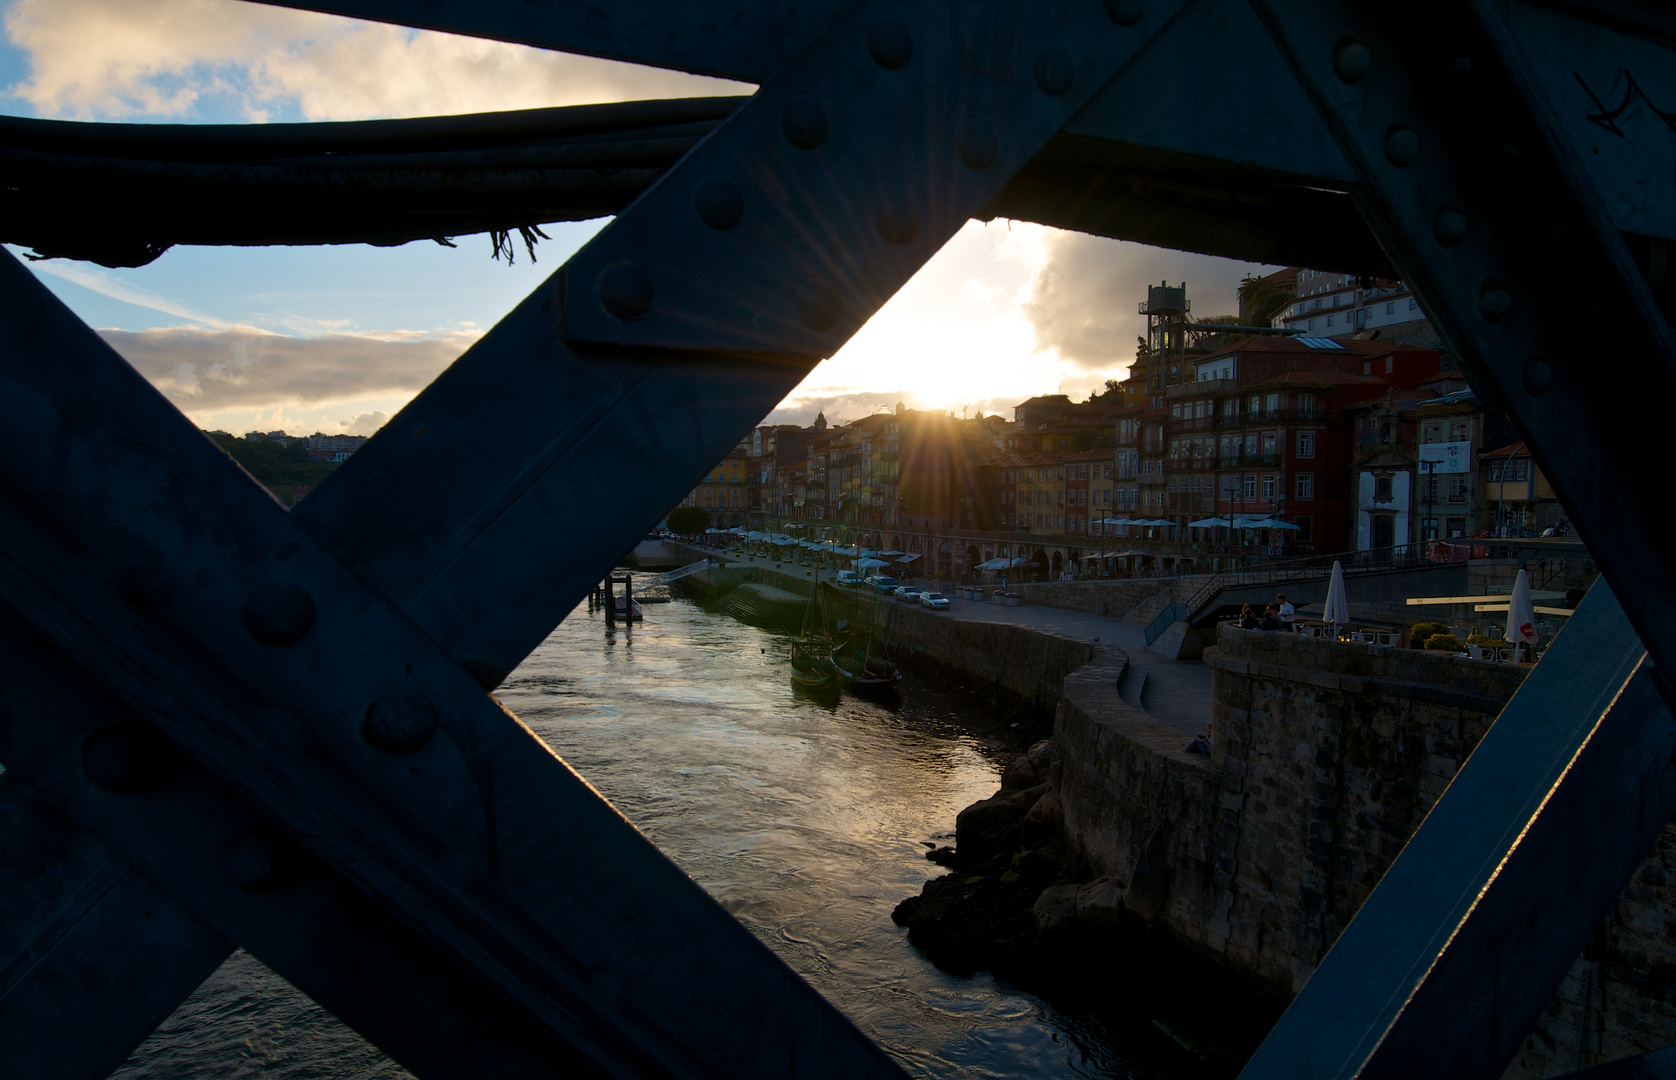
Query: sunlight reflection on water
{"x": 804, "y": 819}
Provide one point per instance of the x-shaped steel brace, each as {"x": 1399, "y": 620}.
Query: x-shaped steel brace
{"x": 226, "y": 723}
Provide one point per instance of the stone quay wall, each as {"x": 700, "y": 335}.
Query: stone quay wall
{"x": 1114, "y": 598}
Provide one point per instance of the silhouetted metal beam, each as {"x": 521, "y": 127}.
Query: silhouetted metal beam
{"x": 222, "y": 620}
{"x": 86, "y": 945}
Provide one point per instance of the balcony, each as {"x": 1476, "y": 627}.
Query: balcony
{"x": 1191, "y": 423}
{"x": 1273, "y": 416}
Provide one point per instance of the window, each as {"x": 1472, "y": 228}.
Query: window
{"x": 1272, "y": 403}
{"x": 1367, "y": 367}
{"x": 1456, "y": 526}
{"x": 1271, "y": 440}
{"x": 1306, "y": 406}
{"x": 1306, "y": 486}
{"x": 1268, "y": 487}
{"x": 1428, "y": 488}
{"x": 1306, "y": 444}
{"x": 1330, "y": 319}
{"x": 1428, "y": 528}
{"x": 1175, "y": 411}
{"x": 1082, "y": 497}
{"x": 1412, "y": 306}
{"x": 1390, "y": 361}
{"x": 1306, "y": 529}
{"x": 1495, "y": 472}
{"x": 1460, "y": 431}
{"x": 1382, "y": 489}
{"x": 1458, "y": 488}
{"x": 1432, "y": 433}
{"x": 1391, "y": 308}
{"x": 1521, "y": 468}
{"x": 1248, "y": 489}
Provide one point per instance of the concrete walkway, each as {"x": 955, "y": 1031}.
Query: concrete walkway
{"x": 1176, "y": 692}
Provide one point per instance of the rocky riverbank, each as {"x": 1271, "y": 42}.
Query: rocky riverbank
{"x": 1019, "y": 902}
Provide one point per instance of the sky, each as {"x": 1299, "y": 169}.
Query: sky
{"x": 337, "y": 339}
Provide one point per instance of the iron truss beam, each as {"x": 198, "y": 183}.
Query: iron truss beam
{"x": 275, "y": 731}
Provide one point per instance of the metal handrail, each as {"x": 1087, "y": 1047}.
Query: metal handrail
{"x": 1312, "y": 566}
{"x": 1166, "y": 618}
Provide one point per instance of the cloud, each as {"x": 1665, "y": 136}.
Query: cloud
{"x": 204, "y": 372}
{"x": 111, "y": 59}
{"x": 106, "y": 283}
{"x": 1083, "y": 303}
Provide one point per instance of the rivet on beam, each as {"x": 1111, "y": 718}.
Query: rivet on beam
{"x": 1350, "y": 60}
{"x": 803, "y": 120}
{"x": 719, "y": 202}
{"x": 890, "y": 43}
{"x": 400, "y": 723}
{"x": 1401, "y": 145}
{"x": 624, "y": 290}
{"x": 127, "y": 757}
{"x": 1054, "y": 72}
{"x": 278, "y": 612}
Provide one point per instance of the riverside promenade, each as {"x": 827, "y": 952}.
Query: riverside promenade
{"x": 1174, "y": 692}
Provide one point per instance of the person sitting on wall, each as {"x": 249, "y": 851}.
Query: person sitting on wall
{"x": 1248, "y": 618}
{"x": 1201, "y": 745}
{"x": 1287, "y": 611}
{"x": 1271, "y": 619}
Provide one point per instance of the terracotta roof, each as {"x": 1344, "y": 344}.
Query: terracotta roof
{"x": 1517, "y": 449}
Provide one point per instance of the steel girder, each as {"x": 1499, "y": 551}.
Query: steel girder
{"x": 225, "y": 723}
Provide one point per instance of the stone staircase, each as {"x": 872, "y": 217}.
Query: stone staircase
{"x": 1174, "y": 589}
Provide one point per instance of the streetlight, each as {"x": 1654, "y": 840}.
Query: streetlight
{"x": 1430, "y": 466}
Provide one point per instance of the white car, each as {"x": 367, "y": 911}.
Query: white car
{"x": 907, "y": 593}
{"x": 934, "y": 600}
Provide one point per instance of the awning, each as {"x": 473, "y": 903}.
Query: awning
{"x": 907, "y": 558}
{"x": 891, "y": 554}
{"x": 870, "y": 564}
{"x": 1270, "y": 523}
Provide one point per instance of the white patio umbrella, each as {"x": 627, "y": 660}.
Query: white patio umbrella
{"x": 870, "y": 564}
{"x": 1336, "y": 612}
{"x": 1521, "y": 616}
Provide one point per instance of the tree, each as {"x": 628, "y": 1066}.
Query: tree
{"x": 687, "y": 520}
{"x": 1261, "y": 299}
{"x": 1113, "y": 392}
{"x": 1087, "y": 438}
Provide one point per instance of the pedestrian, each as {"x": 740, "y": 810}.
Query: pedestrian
{"x": 1271, "y": 619}
{"x": 1201, "y": 745}
{"x": 1287, "y": 611}
{"x": 1248, "y": 618}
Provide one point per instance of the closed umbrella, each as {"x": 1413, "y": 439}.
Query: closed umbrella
{"x": 1521, "y": 616}
{"x": 1336, "y": 612}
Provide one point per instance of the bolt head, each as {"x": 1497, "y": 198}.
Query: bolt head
{"x": 1124, "y": 12}
{"x": 278, "y": 612}
{"x": 262, "y": 861}
{"x": 1537, "y": 376}
{"x": 719, "y": 202}
{"x": 1494, "y": 300}
{"x": 803, "y": 121}
{"x": 624, "y": 290}
{"x": 890, "y": 43}
{"x": 977, "y": 143}
{"x": 1448, "y": 226}
{"x": 818, "y": 304}
{"x": 127, "y": 757}
{"x": 896, "y": 217}
{"x": 1351, "y": 60}
{"x": 1401, "y": 145}
{"x": 1054, "y": 72}
{"x": 400, "y": 723}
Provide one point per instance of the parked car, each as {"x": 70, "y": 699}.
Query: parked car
{"x": 907, "y": 593}
{"x": 849, "y": 579}
{"x": 882, "y": 583}
{"x": 934, "y": 600}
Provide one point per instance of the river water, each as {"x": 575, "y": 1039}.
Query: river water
{"x": 806, "y": 819}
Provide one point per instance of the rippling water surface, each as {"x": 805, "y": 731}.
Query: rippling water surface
{"x": 804, "y": 818}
